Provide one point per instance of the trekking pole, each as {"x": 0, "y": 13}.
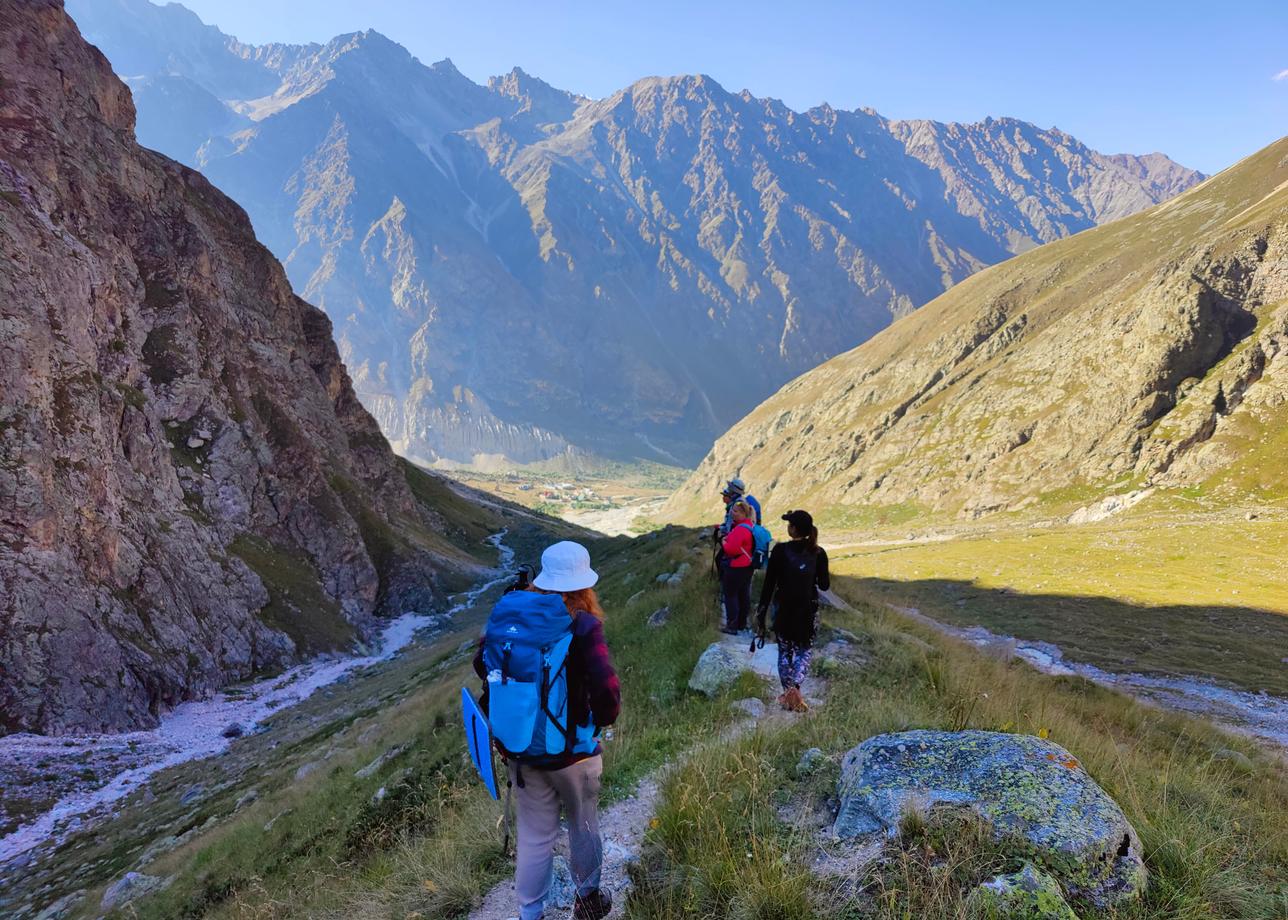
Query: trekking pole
{"x": 505, "y": 817}
{"x": 718, "y": 609}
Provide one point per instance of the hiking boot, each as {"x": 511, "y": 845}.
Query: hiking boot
{"x": 592, "y": 906}
{"x": 729, "y": 630}
{"x": 793, "y": 701}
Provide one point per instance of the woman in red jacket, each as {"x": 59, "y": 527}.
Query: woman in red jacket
{"x": 735, "y": 577}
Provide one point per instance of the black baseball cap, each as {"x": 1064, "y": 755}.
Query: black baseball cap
{"x": 801, "y": 520}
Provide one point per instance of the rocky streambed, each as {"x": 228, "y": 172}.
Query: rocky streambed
{"x": 1262, "y": 716}
{"x": 53, "y": 787}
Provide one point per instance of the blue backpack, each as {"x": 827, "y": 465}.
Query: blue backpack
{"x": 525, "y": 652}
{"x": 761, "y": 538}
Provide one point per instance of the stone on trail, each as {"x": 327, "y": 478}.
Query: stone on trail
{"x": 716, "y": 669}
{"x": 1029, "y": 894}
{"x": 1035, "y": 796}
{"x": 562, "y": 891}
{"x": 751, "y": 706}
{"x": 192, "y": 794}
{"x": 659, "y": 617}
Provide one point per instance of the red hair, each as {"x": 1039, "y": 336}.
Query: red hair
{"x": 584, "y": 599}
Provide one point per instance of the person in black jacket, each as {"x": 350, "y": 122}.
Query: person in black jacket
{"x": 797, "y": 570}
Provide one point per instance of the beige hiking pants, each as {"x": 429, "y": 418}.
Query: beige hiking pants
{"x": 539, "y": 800}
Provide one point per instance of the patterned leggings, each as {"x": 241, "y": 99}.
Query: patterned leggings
{"x": 793, "y": 662}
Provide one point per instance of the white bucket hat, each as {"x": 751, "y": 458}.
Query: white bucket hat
{"x": 565, "y": 566}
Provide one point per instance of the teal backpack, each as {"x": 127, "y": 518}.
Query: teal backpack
{"x": 762, "y": 539}
{"x": 525, "y": 652}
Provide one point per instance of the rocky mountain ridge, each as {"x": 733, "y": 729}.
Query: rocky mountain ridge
{"x": 1076, "y": 379}
{"x": 514, "y": 270}
{"x": 190, "y": 491}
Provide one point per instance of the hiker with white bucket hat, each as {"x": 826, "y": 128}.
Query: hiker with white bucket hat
{"x": 550, "y": 690}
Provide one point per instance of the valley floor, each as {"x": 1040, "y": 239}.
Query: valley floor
{"x": 364, "y": 805}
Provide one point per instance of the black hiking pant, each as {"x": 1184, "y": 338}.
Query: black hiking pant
{"x": 736, "y": 584}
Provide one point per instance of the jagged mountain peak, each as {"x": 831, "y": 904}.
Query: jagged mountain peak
{"x": 534, "y": 97}
{"x": 666, "y": 217}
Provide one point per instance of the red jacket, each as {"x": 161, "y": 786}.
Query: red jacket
{"x": 739, "y": 545}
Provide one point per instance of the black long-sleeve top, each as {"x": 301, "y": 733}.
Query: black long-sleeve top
{"x": 793, "y": 578}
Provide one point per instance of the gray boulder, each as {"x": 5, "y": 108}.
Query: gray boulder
{"x": 659, "y": 617}
{"x": 1240, "y": 761}
{"x": 1034, "y": 795}
{"x": 716, "y": 669}
{"x": 158, "y": 848}
{"x": 1029, "y": 894}
{"x": 810, "y": 761}
{"x": 130, "y": 887}
{"x": 751, "y": 706}
{"x": 372, "y": 768}
{"x": 61, "y": 908}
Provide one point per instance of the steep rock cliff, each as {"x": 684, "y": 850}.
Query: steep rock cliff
{"x": 190, "y": 491}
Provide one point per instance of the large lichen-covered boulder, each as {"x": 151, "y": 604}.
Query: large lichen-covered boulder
{"x": 1029, "y": 894}
{"x": 1034, "y": 795}
{"x": 716, "y": 669}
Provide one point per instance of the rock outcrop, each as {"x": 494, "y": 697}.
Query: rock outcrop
{"x": 1075, "y": 379}
{"x": 513, "y": 270}
{"x": 190, "y": 491}
{"x": 1034, "y": 796}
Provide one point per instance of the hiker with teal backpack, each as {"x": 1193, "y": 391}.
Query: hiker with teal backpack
{"x": 796, "y": 572}
{"x": 550, "y": 689}
{"x": 745, "y": 549}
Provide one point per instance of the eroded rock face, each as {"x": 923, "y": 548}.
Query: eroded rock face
{"x": 189, "y": 488}
{"x": 1035, "y": 796}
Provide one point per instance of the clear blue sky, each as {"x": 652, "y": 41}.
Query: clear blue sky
{"x": 1195, "y": 80}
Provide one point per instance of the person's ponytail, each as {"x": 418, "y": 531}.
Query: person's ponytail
{"x": 811, "y": 539}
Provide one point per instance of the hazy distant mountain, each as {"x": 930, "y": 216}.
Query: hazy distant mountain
{"x": 1152, "y": 353}
{"x": 512, "y": 268}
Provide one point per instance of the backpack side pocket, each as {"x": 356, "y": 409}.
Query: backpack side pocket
{"x": 512, "y": 712}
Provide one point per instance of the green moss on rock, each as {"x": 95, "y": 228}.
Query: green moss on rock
{"x": 1029, "y": 894}
{"x": 1039, "y": 801}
